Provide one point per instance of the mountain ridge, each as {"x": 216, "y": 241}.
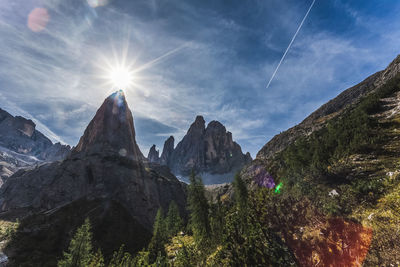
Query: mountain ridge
{"x": 331, "y": 109}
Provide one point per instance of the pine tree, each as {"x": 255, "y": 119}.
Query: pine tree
{"x": 122, "y": 259}
{"x": 141, "y": 259}
{"x": 158, "y": 240}
{"x": 246, "y": 242}
{"x": 199, "y": 211}
{"x": 241, "y": 194}
{"x": 174, "y": 222}
{"x": 80, "y": 248}
{"x": 117, "y": 257}
{"x": 237, "y": 228}
{"x": 217, "y": 221}
{"x": 97, "y": 260}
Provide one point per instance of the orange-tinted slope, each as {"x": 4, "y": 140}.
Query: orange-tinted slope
{"x": 332, "y": 242}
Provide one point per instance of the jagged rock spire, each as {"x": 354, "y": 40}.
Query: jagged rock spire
{"x": 206, "y": 150}
{"x": 111, "y": 131}
{"x": 153, "y": 155}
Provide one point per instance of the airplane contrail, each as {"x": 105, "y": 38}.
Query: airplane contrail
{"x": 290, "y": 44}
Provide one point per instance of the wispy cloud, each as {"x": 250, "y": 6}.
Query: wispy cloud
{"x": 194, "y": 57}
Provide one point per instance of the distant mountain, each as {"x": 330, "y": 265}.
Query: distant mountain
{"x": 21, "y": 145}
{"x": 105, "y": 173}
{"x": 209, "y": 151}
{"x": 20, "y": 135}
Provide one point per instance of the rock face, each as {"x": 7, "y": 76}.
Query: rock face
{"x": 111, "y": 130}
{"x": 209, "y": 151}
{"x": 167, "y": 151}
{"x": 329, "y": 110}
{"x": 190, "y": 152}
{"x": 153, "y": 155}
{"x": 20, "y": 135}
{"x": 106, "y": 164}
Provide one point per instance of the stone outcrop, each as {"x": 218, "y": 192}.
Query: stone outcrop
{"x": 106, "y": 164}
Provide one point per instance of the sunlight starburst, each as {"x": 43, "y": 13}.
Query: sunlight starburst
{"x": 120, "y": 71}
{"x": 121, "y": 77}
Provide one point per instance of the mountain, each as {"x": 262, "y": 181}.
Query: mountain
{"x": 20, "y": 135}
{"x": 331, "y": 185}
{"x": 21, "y": 145}
{"x": 104, "y": 178}
{"x": 330, "y": 110}
{"x": 110, "y": 131}
{"x": 209, "y": 151}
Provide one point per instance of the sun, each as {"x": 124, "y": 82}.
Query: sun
{"x": 120, "y": 77}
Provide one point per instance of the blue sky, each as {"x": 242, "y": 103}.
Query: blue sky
{"x": 192, "y": 57}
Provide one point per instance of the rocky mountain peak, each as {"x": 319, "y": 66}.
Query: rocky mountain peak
{"x": 4, "y": 114}
{"x": 17, "y": 124}
{"x": 209, "y": 151}
{"x": 199, "y": 119}
{"x": 198, "y": 126}
{"x": 111, "y": 131}
{"x": 216, "y": 125}
{"x": 25, "y": 126}
{"x": 153, "y": 155}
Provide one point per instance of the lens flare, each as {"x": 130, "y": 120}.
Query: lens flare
{"x": 278, "y": 187}
{"x": 38, "y": 19}
{"x": 262, "y": 177}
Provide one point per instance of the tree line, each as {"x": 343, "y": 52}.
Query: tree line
{"x": 216, "y": 234}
